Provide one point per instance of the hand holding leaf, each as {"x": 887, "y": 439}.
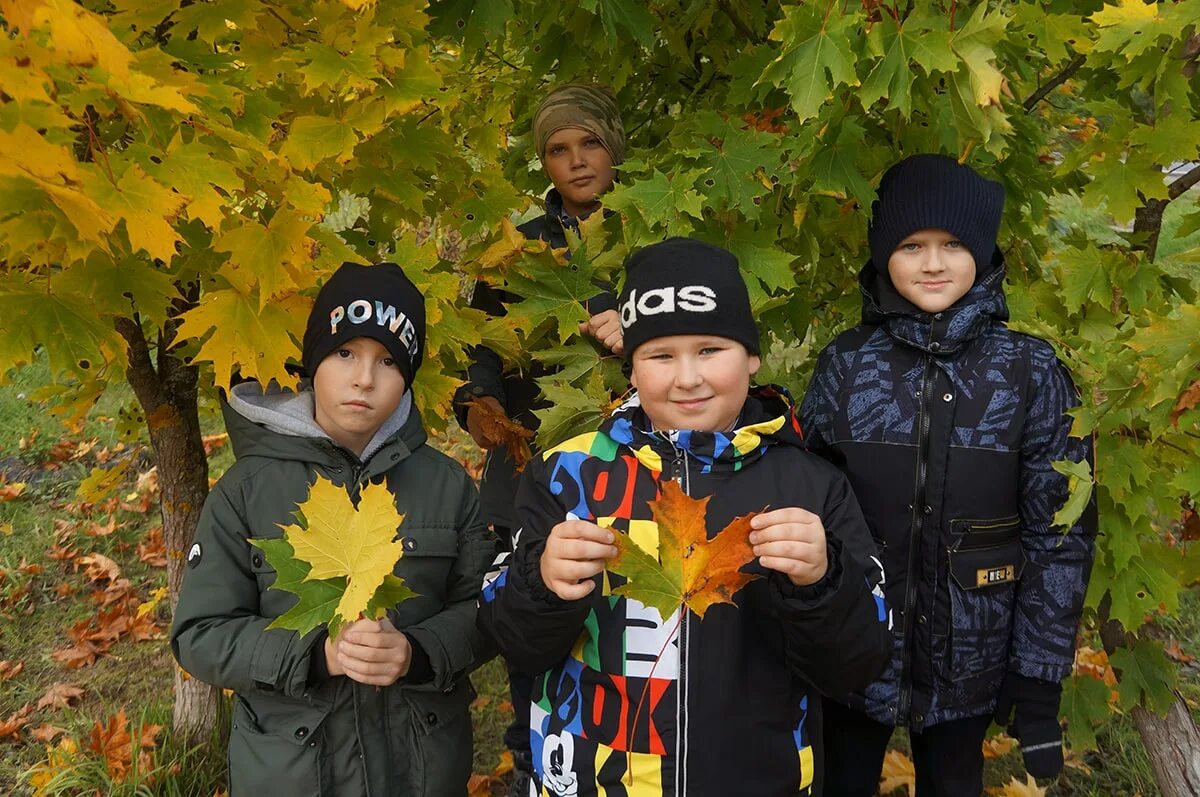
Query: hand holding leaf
{"x": 575, "y": 552}
{"x": 791, "y": 541}
{"x": 338, "y": 559}
{"x": 694, "y": 571}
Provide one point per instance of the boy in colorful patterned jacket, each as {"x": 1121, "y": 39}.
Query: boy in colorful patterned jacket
{"x": 947, "y": 424}
{"x": 627, "y": 701}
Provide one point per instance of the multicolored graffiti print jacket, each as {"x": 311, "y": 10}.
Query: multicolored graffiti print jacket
{"x": 629, "y": 703}
{"x": 946, "y": 426}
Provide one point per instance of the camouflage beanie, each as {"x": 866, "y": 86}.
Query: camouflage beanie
{"x": 587, "y": 106}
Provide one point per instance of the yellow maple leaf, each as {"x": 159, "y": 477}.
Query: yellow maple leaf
{"x": 898, "y": 772}
{"x": 244, "y": 335}
{"x": 1015, "y": 788}
{"x": 360, "y": 544}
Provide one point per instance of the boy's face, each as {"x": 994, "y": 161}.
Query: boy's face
{"x": 696, "y": 382}
{"x": 357, "y": 387}
{"x": 932, "y": 269}
{"x": 580, "y": 168}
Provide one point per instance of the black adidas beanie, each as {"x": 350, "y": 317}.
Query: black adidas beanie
{"x": 935, "y": 191}
{"x": 682, "y": 286}
{"x": 377, "y": 302}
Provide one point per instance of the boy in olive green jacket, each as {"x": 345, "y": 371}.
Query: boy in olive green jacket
{"x": 383, "y": 708}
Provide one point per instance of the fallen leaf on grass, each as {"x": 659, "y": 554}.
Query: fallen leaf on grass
{"x": 1015, "y": 788}
{"x": 504, "y": 765}
{"x": 1175, "y": 653}
{"x": 898, "y": 772}
{"x": 6, "y": 528}
{"x": 998, "y": 746}
{"x": 65, "y": 589}
{"x": 79, "y": 655}
{"x": 505, "y": 706}
{"x": 10, "y": 491}
{"x": 153, "y": 551}
{"x": 96, "y": 529}
{"x": 10, "y": 669}
{"x": 479, "y": 786}
{"x": 61, "y": 695}
{"x": 63, "y": 553}
{"x": 17, "y": 720}
{"x": 47, "y": 733}
{"x": 478, "y": 703}
{"x": 58, "y": 759}
{"x": 29, "y": 569}
{"x": 114, "y": 745}
{"x": 97, "y": 567}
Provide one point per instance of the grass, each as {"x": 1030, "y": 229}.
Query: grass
{"x": 137, "y": 676}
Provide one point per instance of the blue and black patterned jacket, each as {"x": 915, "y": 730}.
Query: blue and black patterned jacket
{"x": 947, "y": 425}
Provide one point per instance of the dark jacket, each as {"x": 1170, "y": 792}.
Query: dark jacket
{"x": 946, "y": 426}
{"x": 516, "y": 390}
{"x": 719, "y": 706}
{"x": 297, "y": 731}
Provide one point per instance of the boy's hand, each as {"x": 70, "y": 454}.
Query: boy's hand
{"x": 791, "y": 541}
{"x": 576, "y": 550}
{"x": 475, "y": 422}
{"x": 371, "y": 652}
{"x": 606, "y": 328}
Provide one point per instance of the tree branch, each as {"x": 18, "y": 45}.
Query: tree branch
{"x": 141, "y": 374}
{"x": 738, "y": 22}
{"x": 1056, "y": 81}
{"x": 1180, "y": 186}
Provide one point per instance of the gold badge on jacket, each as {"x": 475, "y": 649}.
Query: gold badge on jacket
{"x": 995, "y": 575}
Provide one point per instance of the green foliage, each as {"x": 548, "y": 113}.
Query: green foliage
{"x": 168, "y": 161}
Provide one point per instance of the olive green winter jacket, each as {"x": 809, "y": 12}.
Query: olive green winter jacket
{"x": 296, "y": 730}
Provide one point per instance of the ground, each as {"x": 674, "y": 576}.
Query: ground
{"x": 86, "y": 675}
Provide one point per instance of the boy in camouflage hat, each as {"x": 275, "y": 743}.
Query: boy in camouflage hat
{"x": 580, "y": 141}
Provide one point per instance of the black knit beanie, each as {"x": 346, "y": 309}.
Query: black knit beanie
{"x": 682, "y": 286}
{"x": 934, "y": 191}
{"x": 377, "y": 302}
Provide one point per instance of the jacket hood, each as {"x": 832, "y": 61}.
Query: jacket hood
{"x": 768, "y": 418}
{"x": 937, "y": 333}
{"x": 280, "y": 423}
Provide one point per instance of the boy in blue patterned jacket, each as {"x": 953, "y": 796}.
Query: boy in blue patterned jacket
{"x": 946, "y": 423}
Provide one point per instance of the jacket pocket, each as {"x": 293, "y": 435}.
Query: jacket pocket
{"x": 985, "y": 563}
{"x": 263, "y": 762}
{"x": 441, "y": 739}
{"x": 426, "y": 566}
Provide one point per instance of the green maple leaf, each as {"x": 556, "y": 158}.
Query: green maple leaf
{"x": 833, "y": 168}
{"x": 659, "y": 200}
{"x": 194, "y": 169}
{"x": 1085, "y": 707}
{"x": 551, "y": 290}
{"x": 1079, "y": 491}
{"x": 271, "y": 258}
{"x": 1151, "y": 578}
{"x": 1169, "y": 139}
{"x": 1131, "y": 27}
{"x": 1083, "y": 276}
{"x": 1056, "y": 34}
{"x": 1145, "y": 676}
{"x": 121, "y": 287}
{"x": 975, "y": 46}
{"x": 64, "y": 325}
{"x": 312, "y": 139}
{"x": 771, "y": 265}
{"x": 818, "y": 56}
{"x": 327, "y": 67}
{"x": 1120, "y": 183}
{"x": 623, "y": 16}
{"x": 732, "y": 161}
{"x": 900, "y": 43}
{"x": 571, "y": 410}
{"x": 418, "y": 81}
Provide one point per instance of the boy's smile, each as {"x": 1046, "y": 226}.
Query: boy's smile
{"x": 696, "y": 382}
{"x": 356, "y": 388}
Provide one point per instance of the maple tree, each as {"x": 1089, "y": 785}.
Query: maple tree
{"x": 688, "y": 568}
{"x": 338, "y": 558}
{"x": 179, "y": 176}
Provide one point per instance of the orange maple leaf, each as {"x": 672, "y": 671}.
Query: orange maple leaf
{"x": 505, "y": 431}
{"x": 17, "y": 720}
{"x": 61, "y": 695}
{"x": 690, "y": 568}
{"x": 113, "y": 743}
{"x": 97, "y": 566}
{"x": 998, "y": 746}
{"x": 1188, "y": 400}
{"x": 10, "y": 491}
{"x": 153, "y": 551}
{"x": 479, "y": 786}
{"x": 1015, "y": 788}
{"x": 898, "y": 772}
{"x": 47, "y": 733}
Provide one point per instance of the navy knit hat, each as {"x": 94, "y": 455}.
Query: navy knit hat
{"x": 377, "y": 302}
{"x": 934, "y": 191}
{"x": 682, "y": 286}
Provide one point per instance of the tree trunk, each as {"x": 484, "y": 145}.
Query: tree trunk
{"x": 1173, "y": 743}
{"x": 167, "y": 393}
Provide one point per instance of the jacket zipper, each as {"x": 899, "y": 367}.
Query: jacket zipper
{"x": 914, "y": 547}
{"x": 679, "y": 474}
